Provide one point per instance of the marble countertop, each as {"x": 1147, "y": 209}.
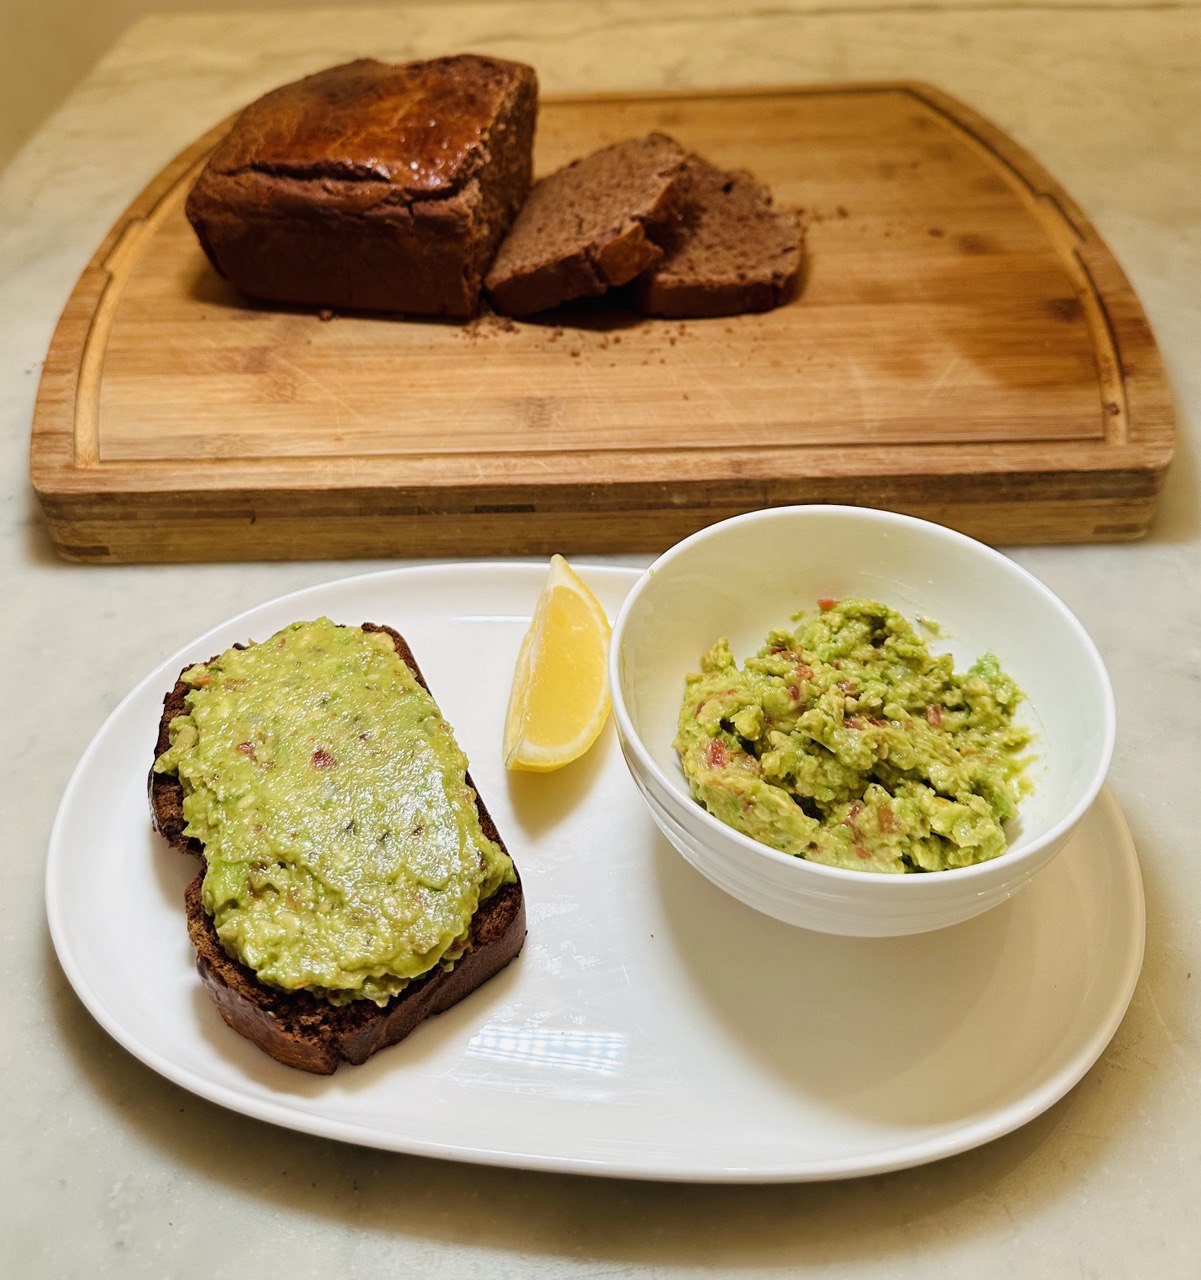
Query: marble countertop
{"x": 106, "y": 1169}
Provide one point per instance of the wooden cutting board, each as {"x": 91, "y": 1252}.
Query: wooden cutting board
{"x": 965, "y": 348}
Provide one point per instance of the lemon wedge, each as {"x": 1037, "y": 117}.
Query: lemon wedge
{"x": 560, "y": 698}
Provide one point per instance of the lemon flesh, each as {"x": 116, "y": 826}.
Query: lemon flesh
{"x": 560, "y": 698}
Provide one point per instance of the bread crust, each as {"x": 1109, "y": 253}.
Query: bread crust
{"x": 302, "y": 1030}
{"x": 372, "y": 186}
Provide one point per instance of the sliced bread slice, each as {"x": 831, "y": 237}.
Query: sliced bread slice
{"x": 297, "y": 1028}
{"x": 731, "y": 252}
{"x": 589, "y": 227}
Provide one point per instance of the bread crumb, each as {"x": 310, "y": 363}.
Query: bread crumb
{"x": 487, "y": 323}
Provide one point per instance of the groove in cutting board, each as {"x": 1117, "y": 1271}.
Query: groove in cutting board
{"x": 965, "y": 348}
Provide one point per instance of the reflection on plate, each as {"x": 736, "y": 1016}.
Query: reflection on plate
{"x": 653, "y": 1027}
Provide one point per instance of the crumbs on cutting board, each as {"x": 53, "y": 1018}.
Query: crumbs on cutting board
{"x": 813, "y": 216}
{"x": 581, "y": 339}
{"x": 486, "y": 324}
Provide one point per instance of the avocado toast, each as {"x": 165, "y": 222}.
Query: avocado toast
{"x": 363, "y": 886}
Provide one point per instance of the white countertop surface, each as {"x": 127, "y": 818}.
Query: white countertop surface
{"x": 108, "y": 1170}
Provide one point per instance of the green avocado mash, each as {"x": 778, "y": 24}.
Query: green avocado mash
{"x": 343, "y": 846}
{"x": 845, "y": 741}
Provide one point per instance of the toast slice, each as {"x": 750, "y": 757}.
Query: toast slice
{"x": 589, "y": 227}
{"x": 732, "y": 251}
{"x": 302, "y": 1030}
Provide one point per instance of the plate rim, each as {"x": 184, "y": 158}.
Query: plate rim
{"x": 965, "y": 1136}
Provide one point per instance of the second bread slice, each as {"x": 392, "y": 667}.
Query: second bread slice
{"x": 590, "y": 226}
{"x": 732, "y": 252}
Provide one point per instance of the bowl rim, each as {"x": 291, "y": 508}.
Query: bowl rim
{"x": 994, "y": 868}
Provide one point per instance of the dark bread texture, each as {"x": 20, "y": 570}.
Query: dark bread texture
{"x": 731, "y": 252}
{"x": 589, "y": 227}
{"x": 372, "y": 186}
{"x": 302, "y": 1030}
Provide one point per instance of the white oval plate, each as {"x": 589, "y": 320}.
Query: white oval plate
{"x": 653, "y": 1027}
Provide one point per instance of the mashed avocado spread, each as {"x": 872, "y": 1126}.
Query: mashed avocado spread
{"x": 845, "y": 741}
{"x": 344, "y": 850}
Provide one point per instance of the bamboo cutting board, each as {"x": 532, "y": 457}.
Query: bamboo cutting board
{"x": 965, "y": 348}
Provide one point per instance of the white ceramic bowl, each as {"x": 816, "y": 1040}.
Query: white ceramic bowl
{"x": 743, "y": 576}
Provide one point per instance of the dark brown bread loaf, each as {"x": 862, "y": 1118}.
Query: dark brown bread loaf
{"x": 589, "y": 227}
{"x": 731, "y": 252}
{"x": 302, "y": 1030}
{"x": 372, "y": 186}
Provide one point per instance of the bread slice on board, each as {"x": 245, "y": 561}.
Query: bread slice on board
{"x": 589, "y": 227}
{"x": 731, "y": 252}
{"x": 302, "y": 1030}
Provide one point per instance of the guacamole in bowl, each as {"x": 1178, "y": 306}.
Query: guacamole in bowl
{"x": 846, "y": 741}
{"x": 813, "y": 757}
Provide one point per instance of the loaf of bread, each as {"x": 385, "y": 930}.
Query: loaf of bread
{"x": 731, "y": 251}
{"x": 372, "y": 186}
{"x": 589, "y": 227}
{"x": 301, "y": 1029}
